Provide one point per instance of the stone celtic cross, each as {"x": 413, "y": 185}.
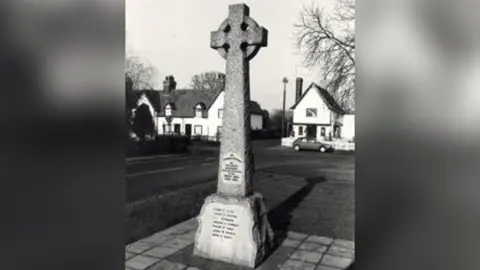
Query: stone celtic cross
{"x": 238, "y": 40}
{"x": 233, "y": 225}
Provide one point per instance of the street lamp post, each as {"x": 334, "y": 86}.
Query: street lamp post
{"x": 285, "y": 81}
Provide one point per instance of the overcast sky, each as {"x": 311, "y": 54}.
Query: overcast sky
{"x": 174, "y": 36}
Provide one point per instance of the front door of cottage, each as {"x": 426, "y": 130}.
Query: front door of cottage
{"x": 311, "y": 131}
{"x": 188, "y": 129}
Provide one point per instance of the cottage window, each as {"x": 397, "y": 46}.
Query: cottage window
{"x": 168, "y": 110}
{"x": 199, "y": 110}
{"x": 300, "y": 131}
{"x": 322, "y": 132}
{"x": 311, "y": 112}
{"x": 220, "y": 113}
{"x": 198, "y": 130}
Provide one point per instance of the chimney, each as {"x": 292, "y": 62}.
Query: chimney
{"x": 298, "y": 87}
{"x": 169, "y": 84}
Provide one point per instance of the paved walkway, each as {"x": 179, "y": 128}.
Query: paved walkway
{"x": 172, "y": 249}
{"x": 312, "y": 216}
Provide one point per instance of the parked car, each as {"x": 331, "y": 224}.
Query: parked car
{"x": 305, "y": 143}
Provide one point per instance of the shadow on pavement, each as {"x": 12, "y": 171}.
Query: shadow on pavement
{"x": 281, "y": 216}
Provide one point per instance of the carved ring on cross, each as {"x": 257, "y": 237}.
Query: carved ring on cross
{"x": 256, "y": 37}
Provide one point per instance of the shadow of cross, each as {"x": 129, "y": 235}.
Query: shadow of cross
{"x": 239, "y": 35}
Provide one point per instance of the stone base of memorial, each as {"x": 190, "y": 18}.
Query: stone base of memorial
{"x": 233, "y": 230}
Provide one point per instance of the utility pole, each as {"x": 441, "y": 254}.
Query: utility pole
{"x": 285, "y": 81}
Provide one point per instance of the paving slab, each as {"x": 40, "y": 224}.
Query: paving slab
{"x": 319, "y": 240}
{"x": 297, "y": 265}
{"x": 297, "y": 236}
{"x": 161, "y": 252}
{"x": 167, "y": 265}
{"x": 306, "y": 256}
{"x": 335, "y": 261}
{"x": 309, "y": 246}
{"x": 288, "y": 242}
{"x": 324, "y": 267}
{"x": 344, "y": 243}
{"x": 140, "y": 262}
{"x": 138, "y": 247}
{"x": 340, "y": 251}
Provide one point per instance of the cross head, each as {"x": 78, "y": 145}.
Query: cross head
{"x": 239, "y": 35}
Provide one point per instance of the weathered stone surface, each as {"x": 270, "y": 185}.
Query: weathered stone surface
{"x": 297, "y": 265}
{"x": 276, "y": 259}
{"x": 234, "y": 230}
{"x": 178, "y": 243}
{"x": 341, "y": 251}
{"x": 140, "y": 262}
{"x": 167, "y": 265}
{"x": 335, "y": 261}
{"x": 297, "y": 236}
{"x": 238, "y": 39}
{"x": 233, "y": 225}
{"x": 344, "y": 243}
{"x": 189, "y": 235}
{"x": 312, "y": 247}
{"x": 161, "y": 252}
{"x": 319, "y": 240}
{"x": 138, "y": 247}
{"x": 324, "y": 267}
{"x": 306, "y": 256}
{"x": 291, "y": 242}
{"x": 128, "y": 255}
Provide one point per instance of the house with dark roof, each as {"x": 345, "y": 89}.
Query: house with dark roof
{"x": 190, "y": 111}
{"x": 316, "y": 113}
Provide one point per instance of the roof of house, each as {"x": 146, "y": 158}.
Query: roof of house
{"x": 185, "y": 100}
{"x": 327, "y": 98}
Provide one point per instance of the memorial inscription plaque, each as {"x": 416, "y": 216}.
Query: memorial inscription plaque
{"x": 225, "y": 223}
{"x": 232, "y": 170}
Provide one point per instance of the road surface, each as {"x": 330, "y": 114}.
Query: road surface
{"x": 151, "y": 177}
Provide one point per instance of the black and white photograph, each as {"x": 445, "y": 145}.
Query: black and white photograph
{"x": 236, "y": 135}
{"x": 241, "y": 134}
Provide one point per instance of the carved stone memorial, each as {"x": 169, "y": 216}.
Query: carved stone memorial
{"x": 233, "y": 225}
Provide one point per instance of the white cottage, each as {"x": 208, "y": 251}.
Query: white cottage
{"x": 190, "y": 112}
{"x": 316, "y": 113}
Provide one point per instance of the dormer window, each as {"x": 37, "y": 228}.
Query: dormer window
{"x": 199, "y": 108}
{"x": 168, "y": 110}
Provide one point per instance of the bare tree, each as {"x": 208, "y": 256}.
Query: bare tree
{"x": 139, "y": 72}
{"x": 328, "y": 41}
{"x": 276, "y": 118}
{"x": 209, "y": 80}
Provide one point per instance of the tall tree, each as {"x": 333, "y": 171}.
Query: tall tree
{"x": 208, "y": 80}
{"x": 139, "y": 72}
{"x": 143, "y": 122}
{"x": 276, "y": 118}
{"x": 138, "y": 76}
{"x": 265, "y": 119}
{"x": 328, "y": 42}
